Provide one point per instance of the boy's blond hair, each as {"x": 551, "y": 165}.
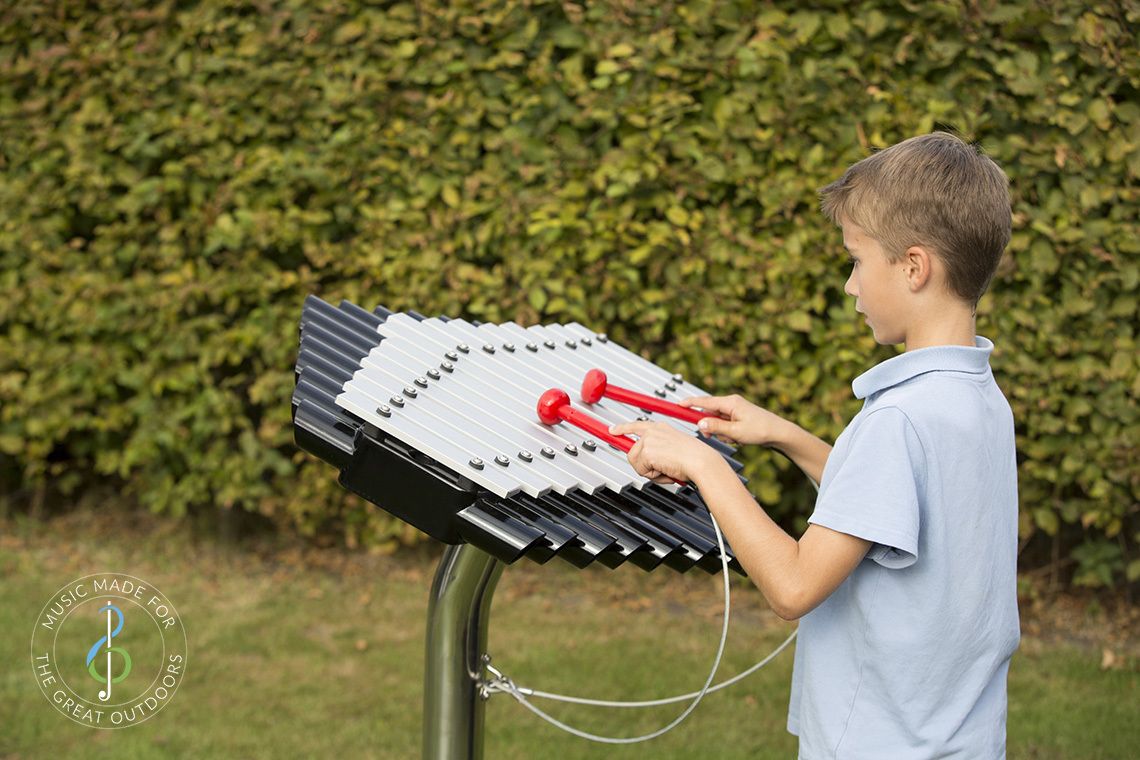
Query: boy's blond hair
{"x": 934, "y": 191}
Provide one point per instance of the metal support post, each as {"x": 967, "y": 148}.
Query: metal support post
{"x": 458, "y": 613}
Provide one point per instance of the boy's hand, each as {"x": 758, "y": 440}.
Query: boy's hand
{"x": 741, "y": 421}
{"x": 663, "y": 453}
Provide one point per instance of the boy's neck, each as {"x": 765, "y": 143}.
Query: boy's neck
{"x": 955, "y": 327}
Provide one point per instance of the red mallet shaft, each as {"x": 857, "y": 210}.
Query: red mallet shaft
{"x": 594, "y": 387}
{"x": 554, "y": 407}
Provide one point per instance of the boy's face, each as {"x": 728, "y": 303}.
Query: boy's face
{"x": 879, "y": 287}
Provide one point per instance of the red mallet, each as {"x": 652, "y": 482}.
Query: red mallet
{"x": 554, "y": 407}
{"x": 595, "y": 387}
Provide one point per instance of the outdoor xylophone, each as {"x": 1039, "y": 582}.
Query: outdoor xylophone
{"x": 435, "y": 421}
{"x": 470, "y": 433}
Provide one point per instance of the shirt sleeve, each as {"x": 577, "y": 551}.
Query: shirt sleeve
{"x": 874, "y": 492}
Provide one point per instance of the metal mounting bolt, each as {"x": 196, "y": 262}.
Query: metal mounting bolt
{"x": 526, "y": 456}
{"x": 384, "y": 410}
{"x": 548, "y": 452}
{"x": 659, "y": 392}
{"x": 589, "y": 445}
{"x": 571, "y": 343}
{"x": 410, "y": 392}
{"x": 548, "y": 343}
{"x": 587, "y": 342}
{"x": 421, "y": 381}
{"x": 396, "y": 401}
{"x": 603, "y": 338}
{"x": 488, "y": 348}
{"x": 502, "y": 459}
{"x": 464, "y": 348}
{"x": 671, "y": 386}
{"x": 531, "y": 347}
{"x": 476, "y": 462}
{"x": 509, "y": 347}
{"x": 571, "y": 449}
{"x": 677, "y": 378}
{"x": 451, "y": 355}
{"x": 447, "y": 366}
{"x": 433, "y": 373}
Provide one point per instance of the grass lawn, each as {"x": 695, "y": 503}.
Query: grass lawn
{"x": 298, "y": 652}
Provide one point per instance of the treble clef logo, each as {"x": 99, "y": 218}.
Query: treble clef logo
{"x": 105, "y": 695}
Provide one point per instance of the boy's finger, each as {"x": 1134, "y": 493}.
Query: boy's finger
{"x": 714, "y": 404}
{"x": 714, "y": 426}
{"x": 629, "y": 428}
{"x": 633, "y": 454}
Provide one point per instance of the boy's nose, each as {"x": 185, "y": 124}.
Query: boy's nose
{"x": 849, "y": 286}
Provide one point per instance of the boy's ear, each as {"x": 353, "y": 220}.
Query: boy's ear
{"x": 918, "y": 266}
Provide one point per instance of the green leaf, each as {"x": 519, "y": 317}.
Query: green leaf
{"x": 405, "y": 49}
{"x": 1046, "y": 520}
{"x": 450, "y": 196}
{"x": 1133, "y": 571}
{"x": 677, "y": 215}
{"x": 536, "y": 297}
{"x": 348, "y": 32}
{"x": 798, "y": 320}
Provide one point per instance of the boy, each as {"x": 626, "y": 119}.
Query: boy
{"x": 906, "y": 576}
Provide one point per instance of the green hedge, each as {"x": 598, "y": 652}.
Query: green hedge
{"x": 174, "y": 180}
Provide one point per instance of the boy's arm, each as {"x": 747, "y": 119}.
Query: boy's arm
{"x": 794, "y": 576}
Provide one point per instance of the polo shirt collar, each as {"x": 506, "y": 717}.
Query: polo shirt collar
{"x": 898, "y": 369}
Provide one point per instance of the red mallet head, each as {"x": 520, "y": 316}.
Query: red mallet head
{"x": 594, "y": 386}
{"x": 549, "y": 403}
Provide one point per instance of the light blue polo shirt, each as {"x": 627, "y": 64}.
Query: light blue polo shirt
{"x": 908, "y": 657}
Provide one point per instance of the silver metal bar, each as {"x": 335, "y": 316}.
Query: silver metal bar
{"x": 608, "y": 345}
{"x": 522, "y": 386}
{"x": 479, "y": 423}
{"x": 554, "y": 373}
{"x": 376, "y": 381}
{"x": 561, "y": 372}
{"x": 459, "y": 610}
{"x": 474, "y": 391}
{"x": 472, "y": 397}
{"x": 412, "y": 432}
{"x": 622, "y": 370}
{"x": 564, "y": 371}
{"x": 652, "y": 377}
{"x": 618, "y": 372}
